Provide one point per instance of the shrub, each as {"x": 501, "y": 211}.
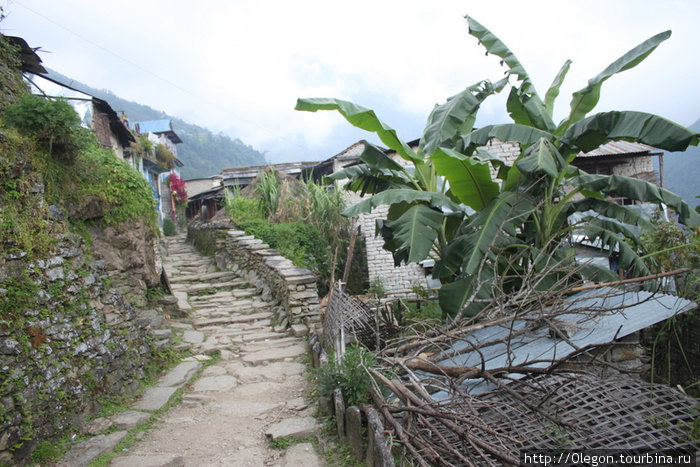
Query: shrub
{"x": 53, "y": 123}
{"x": 240, "y": 208}
{"x": 169, "y": 228}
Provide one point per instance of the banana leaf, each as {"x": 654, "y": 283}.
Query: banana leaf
{"x": 360, "y": 117}
{"x": 414, "y": 232}
{"x": 470, "y": 179}
{"x": 584, "y": 100}
{"x": 457, "y": 114}
{"x": 641, "y": 127}
{"x": 435, "y": 200}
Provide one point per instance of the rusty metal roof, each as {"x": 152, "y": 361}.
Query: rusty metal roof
{"x": 616, "y": 148}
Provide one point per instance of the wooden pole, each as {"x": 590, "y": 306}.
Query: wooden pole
{"x": 351, "y": 249}
{"x": 630, "y": 281}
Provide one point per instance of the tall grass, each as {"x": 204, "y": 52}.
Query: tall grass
{"x": 268, "y": 191}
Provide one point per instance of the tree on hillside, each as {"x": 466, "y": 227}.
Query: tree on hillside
{"x": 499, "y": 234}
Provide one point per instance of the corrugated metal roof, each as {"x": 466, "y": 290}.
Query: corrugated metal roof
{"x": 242, "y": 176}
{"x": 593, "y": 317}
{"x": 615, "y": 148}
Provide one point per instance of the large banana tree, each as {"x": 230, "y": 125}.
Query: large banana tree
{"x": 485, "y": 229}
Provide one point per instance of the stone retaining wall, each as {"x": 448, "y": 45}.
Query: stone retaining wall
{"x": 76, "y": 341}
{"x": 292, "y": 287}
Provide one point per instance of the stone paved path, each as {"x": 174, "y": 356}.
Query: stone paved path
{"x": 256, "y": 391}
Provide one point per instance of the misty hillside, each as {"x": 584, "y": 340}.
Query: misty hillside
{"x": 682, "y": 172}
{"x": 203, "y": 152}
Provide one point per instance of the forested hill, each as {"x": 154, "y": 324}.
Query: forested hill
{"x": 203, "y": 152}
{"x": 682, "y": 171}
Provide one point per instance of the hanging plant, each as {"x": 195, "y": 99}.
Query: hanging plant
{"x": 165, "y": 158}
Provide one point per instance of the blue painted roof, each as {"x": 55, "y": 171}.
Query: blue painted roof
{"x": 592, "y": 317}
{"x": 157, "y": 127}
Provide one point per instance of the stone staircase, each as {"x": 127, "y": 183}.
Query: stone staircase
{"x": 243, "y": 385}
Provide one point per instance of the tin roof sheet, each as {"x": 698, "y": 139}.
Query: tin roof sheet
{"x": 593, "y": 317}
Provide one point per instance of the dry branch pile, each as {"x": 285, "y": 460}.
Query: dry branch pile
{"x": 447, "y": 412}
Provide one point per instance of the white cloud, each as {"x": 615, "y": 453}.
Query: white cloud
{"x": 239, "y": 66}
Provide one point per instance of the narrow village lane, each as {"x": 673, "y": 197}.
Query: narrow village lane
{"x": 255, "y": 391}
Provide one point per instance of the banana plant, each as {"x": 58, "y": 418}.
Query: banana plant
{"x": 484, "y": 229}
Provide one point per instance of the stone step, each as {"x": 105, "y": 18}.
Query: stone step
{"x": 190, "y": 265}
{"x": 254, "y": 345}
{"x": 275, "y": 354}
{"x": 215, "y": 297}
{"x": 190, "y": 289}
{"x": 182, "y": 302}
{"x": 232, "y": 319}
{"x": 240, "y": 306}
{"x": 187, "y": 259}
{"x": 249, "y": 336}
{"x": 180, "y": 374}
{"x": 84, "y": 452}
{"x": 204, "y": 277}
{"x": 154, "y": 460}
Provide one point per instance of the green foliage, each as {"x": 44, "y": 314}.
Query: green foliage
{"x": 46, "y": 452}
{"x": 52, "y": 123}
{"x": 303, "y": 221}
{"x": 169, "y": 228}
{"x": 349, "y": 375}
{"x": 422, "y": 313}
{"x": 24, "y": 226}
{"x": 11, "y": 83}
{"x": 496, "y": 228}
{"x": 376, "y": 287}
{"x": 675, "y": 343}
{"x": 299, "y": 242}
{"x": 241, "y": 208}
{"x": 281, "y": 442}
{"x": 165, "y": 158}
{"x": 20, "y": 294}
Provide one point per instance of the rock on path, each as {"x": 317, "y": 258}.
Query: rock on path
{"x": 255, "y": 391}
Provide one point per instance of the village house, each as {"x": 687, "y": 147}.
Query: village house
{"x": 157, "y": 163}
{"x": 114, "y": 133}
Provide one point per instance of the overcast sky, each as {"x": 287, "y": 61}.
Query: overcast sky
{"x": 238, "y": 66}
